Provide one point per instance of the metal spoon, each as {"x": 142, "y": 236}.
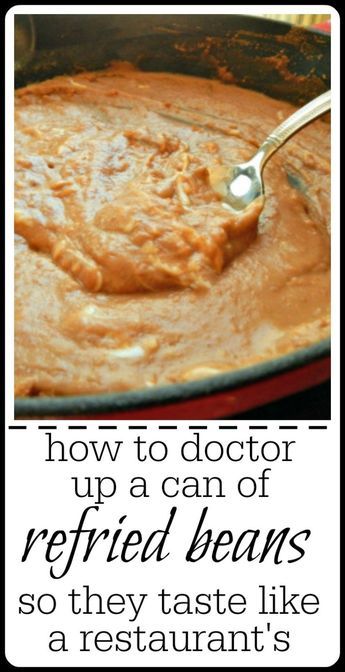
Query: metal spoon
{"x": 242, "y": 184}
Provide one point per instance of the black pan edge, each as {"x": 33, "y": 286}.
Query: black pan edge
{"x": 242, "y": 44}
{"x": 125, "y": 401}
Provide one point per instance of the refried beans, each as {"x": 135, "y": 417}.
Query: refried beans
{"x": 130, "y": 272}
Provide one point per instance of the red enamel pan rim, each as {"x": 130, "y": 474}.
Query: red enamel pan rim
{"x": 119, "y": 403}
{"x": 231, "y": 402}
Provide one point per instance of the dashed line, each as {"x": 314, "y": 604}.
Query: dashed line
{"x": 45, "y": 427}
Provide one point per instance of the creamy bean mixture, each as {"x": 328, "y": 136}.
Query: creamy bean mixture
{"x": 130, "y": 271}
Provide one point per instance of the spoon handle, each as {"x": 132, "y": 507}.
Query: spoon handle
{"x": 287, "y": 128}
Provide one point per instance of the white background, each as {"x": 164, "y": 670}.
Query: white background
{"x": 303, "y": 494}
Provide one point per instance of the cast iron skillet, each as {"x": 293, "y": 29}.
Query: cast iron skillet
{"x": 194, "y": 45}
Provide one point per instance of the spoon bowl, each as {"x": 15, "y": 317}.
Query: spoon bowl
{"x": 239, "y": 185}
